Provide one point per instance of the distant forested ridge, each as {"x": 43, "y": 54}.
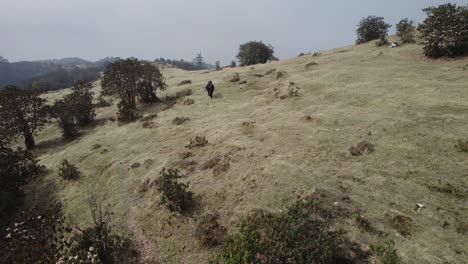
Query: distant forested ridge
{"x": 50, "y": 75}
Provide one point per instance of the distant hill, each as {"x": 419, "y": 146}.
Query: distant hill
{"x": 52, "y": 74}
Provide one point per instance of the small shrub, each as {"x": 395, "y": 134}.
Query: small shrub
{"x": 102, "y": 102}
{"x": 183, "y": 93}
{"x": 279, "y": 74}
{"x": 189, "y": 101}
{"x": 98, "y": 244}
{"x": 293, "y": 89}
{"x": 445, "y": 31}
{"x": 258, "y": 75}
{"x": 235, "y": 77}
{"x": 371, "y": 28}
{"x": 218, "y": 65}
{"x": 209, "y": 232}
{"x": 462, "y": 145}
{"x": 180, "y": 120}
{"x": 68, "y": 171}
{"x": 310, "y": 64}
{"x": 174, "y": 193}
{"x": 301, "y": 54}
{"x": 405, "y": 31}
{"x": 243, "y": 82}
{"x": 270, "y": 72}
{"x": 386, "y": 252}
{"x": 382, "y": 42}
{"x": 184, "y": 82}
{"x": 135, "y": 165}
{"x": 198, "y": 142}
{"x": 316, "y": 54}
{"x": 233, "y": 64}
{"x": 299, "y": 235}
{"x": 361, "y": 148}
{"x": 148, "y": 117}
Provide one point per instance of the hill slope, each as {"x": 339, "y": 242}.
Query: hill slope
{"x": 412, "y": 109}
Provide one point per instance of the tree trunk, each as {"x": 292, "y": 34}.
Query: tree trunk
{"x": 28, "y": 140}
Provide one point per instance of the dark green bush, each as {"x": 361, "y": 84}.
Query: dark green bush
{"x": 299, "y": 235}
{"x": 126, "y": 114}
{"x": 445, "y": 31}
{"x": 405, "y": 31}
{"x": 81, "y": 103}
{"x": 16, "y": 168}
{"x": 371, "y": 28}
{"x": 30, "y": 236}
{"x": 68, "y": 171}
{"x": 254, "y": 52}
{"x": 387, "y": 252}
{"x": 174, "y": 193}
{"x": 102, "y": 102}
{"x": 63, "y": 111}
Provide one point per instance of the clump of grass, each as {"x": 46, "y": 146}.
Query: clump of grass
{"x": 68, "y": 171}
{"x": 310, "y": 64}
{"x": 198, "y": 142}
{"x": 279, "y": 74}
{"x": 462, "y": 145}
{"x": 209, "y": 232}
{"x": 316, "y": 54}
{"x": 270, "y": 71}
{"x": 293, "y": 89}
{"x": 235, "y": 77}
{"x": 258, "y": 75}
{"x": 148, "y": 117}
{"x": 183, "y": 93}
{"x": 299, "y": 235}
{"x": 189, "y": 101}
{"x": 174, "y": 194}
{"x": 386, "y": 252}
{"x": 184, "y": 82}
{"x": 180, "y": 120}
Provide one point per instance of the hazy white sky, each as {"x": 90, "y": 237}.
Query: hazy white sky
{"x": 147, "y": 29}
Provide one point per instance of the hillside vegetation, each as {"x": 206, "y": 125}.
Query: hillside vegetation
{"x": 278, "y": 132}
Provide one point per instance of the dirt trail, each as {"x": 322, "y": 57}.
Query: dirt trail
{"x": 146, "y": 249}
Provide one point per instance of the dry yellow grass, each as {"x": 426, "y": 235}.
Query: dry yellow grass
{"x": 412, "y": 109}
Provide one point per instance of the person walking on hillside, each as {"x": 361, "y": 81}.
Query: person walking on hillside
{"x": 210, "y": 89}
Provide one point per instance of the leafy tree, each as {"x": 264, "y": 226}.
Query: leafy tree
{"x": 16, "y": 167}
{"x": 22, "y": 112}
{"x": 131, "y": 78}
{"x": 199, "y": 62}
{"x": 64, "y": 112}
{"x": 81, "y": 100}
{"x": 405, "y": 30}
{"x": 122, "y": 78}
{"x": 370, "y": 28}
{"x": 151, "y": 80}
{"x": 445, "y": 31}
{"x": 254, "y": 52}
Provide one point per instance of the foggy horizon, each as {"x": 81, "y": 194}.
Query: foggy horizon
{"x": 54, "y": 29}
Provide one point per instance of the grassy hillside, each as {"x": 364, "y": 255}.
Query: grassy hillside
{"x": 412, "y": 109}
